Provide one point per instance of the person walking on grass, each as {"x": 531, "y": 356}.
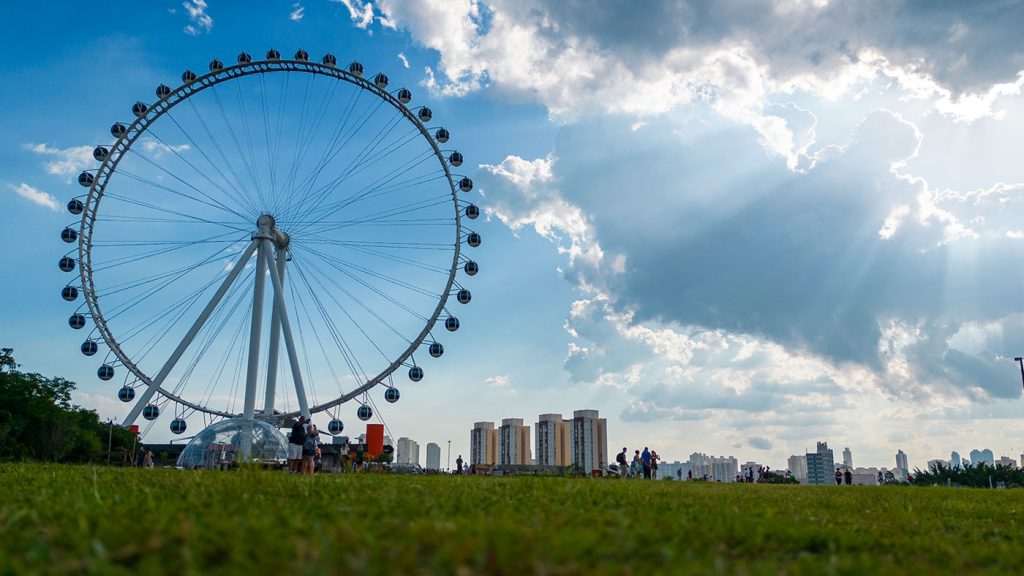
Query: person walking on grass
{"x": 848, "y": 477}
{"x": 458, "y": 464}
{"x": 839, "y": 477}
{"x": 645, "y": 459}
{"x": 637, "y": 467}
{"x": 295, "y": 441}
{"x": 654, "y": 465}
{"x": 620, "y": 459}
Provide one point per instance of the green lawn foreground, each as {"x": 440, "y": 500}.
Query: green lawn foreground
{"x": 83, "y": 519}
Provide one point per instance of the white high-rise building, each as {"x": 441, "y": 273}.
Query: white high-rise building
{"x": 713, "y": 468}
{"x": 433, "y": 456}
{"x": 1006, "y": 461}
{"x": 954, "y": 460}
{"x": 483, "y": 444}
{"x": 514, "y": 442}
{"x": 901, "y": 462}
{"x": 408, "y": 451}
{"x": 589, "y": 440}
{"x": 982, "y": 457}
{"x": 798, "y": 468}
{"x": 847, "y": 458}
{"x": 552, "y": 441}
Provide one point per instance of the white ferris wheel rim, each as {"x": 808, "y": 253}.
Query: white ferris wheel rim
{"x": 140, "y": 126}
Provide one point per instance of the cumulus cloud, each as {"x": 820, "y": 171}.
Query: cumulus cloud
{"x": 66, "y": 162}
{"x": 580, "y": 58}
{"x": 35, "y": 196}
{"x": 199, "y": 21}
{"x": 760, "y": 297}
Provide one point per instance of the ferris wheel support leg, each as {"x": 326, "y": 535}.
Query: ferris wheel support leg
{"x": 256, "y": 329}
{"x": 189, "y": 336}
{"x": 289, "y": 342}
{"x": 275, "y": 344}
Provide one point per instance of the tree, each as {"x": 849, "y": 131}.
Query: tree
{"x": 39, "y": 422}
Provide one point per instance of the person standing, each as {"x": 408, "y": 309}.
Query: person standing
{"x": 620, "y": 459}
{"x": 839, "y": 477}
{"x": 848, "y": 477}
{"x": 654, "y": 465}
{"x": 295, "y": 441}
{"x": 458, "y": 464}
{"x": 309, "y": 448}
{"x": 645, "y": 460}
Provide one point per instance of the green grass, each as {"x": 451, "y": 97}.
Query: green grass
{"x": 74, "y": 519}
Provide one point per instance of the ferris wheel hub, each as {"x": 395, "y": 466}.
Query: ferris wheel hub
{"x": 266, "y": 229}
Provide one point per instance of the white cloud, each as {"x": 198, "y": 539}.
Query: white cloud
{"x": 589, "y": 60}
{"x": 360, "y": 12}
{"x": 403, "y": 59}
{"x": 297, "y": 12}
{"x": 199, "y": 21}
{"x": 501, "y": 381}
{"x": 36, "y": 196}
{"x": 64, "y": 161}
{"x": 158, "y": 149}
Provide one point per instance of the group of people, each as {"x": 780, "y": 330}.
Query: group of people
{"x": 644, "y": 464}
{"x": 303, "y": 447}
{"x": 847, "y": 476}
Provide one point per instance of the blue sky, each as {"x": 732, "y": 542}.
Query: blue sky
{"x": 735, "y": 228}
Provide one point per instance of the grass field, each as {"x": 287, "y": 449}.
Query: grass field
{"x": 74, "y": 519}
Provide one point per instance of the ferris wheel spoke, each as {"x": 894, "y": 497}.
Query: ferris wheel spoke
{"x": 155, "y": 384}
{"x": 216, "y": 205}
{"x": 369, "y": 309}
{"x": 235, "y": 182}
{"x": 303, "y": 143}
{"x": 419, "y": 204}
{"x": 235, "y": 195}
{"x": 250, "y": 161}
{"x": 250, "y": 189}
{"x": 352, "y": 168}
{"x": 308, "y": 186}
{"x": 336, "y": 338}
{"x": 328, "y": 152}
{"x": 335, "y": 261}
{"x": 166, "y": 210}
{"x": 381, "y": 189}
{"x": 347, "y": 351}
{"x": 162, "y": 249}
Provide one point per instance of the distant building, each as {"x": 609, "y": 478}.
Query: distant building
{"x": 798, "y": 468}
{"x": 483, "y": 444}
{"x": 713, "y": 468}
{"x": 433, "y": 456}
{"x": 408, "y": 451}
{"x": 589, "y": 440}
{"x": 675, "y": 470}
{"x": 865, "y": 476}
{"x": 1007, "y": 462}
{"x": 982, "y": 457}
{"x": 552, "y": 441}
{"x": 954, "y": 460}
{"x": 901, "y": 462}
{"x": 847, "y": 458}
{"x": 821, "y": 468}
{"x": 514, "y": 442}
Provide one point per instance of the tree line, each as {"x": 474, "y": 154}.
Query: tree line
{"x": 970, "y": 475}
{"x": 39, "y": 422}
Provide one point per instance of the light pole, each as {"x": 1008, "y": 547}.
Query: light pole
{"x": 110, "y": 438}
{"x": 449, "y": 466}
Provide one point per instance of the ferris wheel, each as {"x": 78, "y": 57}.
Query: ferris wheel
{"x": 286, "y": 190}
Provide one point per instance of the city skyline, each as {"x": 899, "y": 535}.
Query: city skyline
{"x": 725, "y": 241}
